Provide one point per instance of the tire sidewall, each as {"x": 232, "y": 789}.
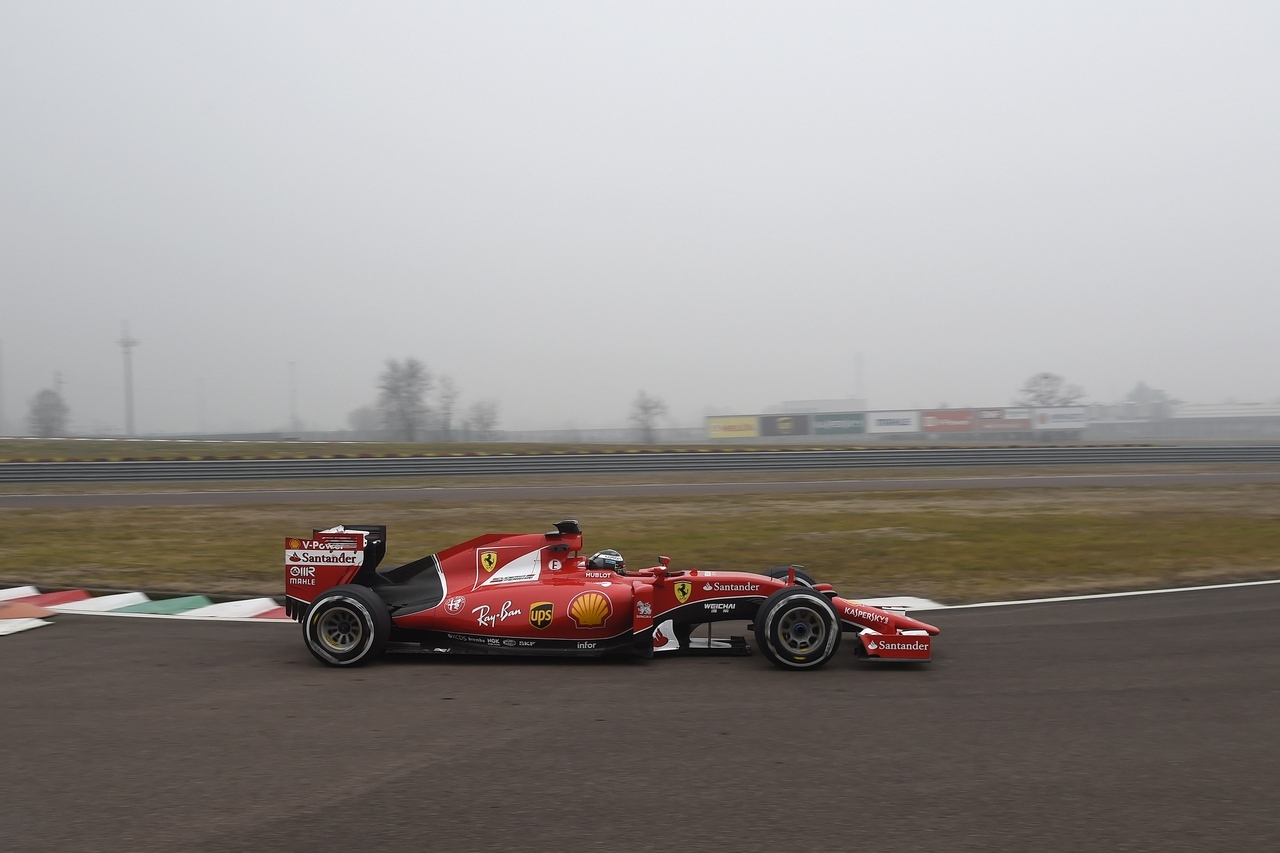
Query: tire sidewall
{"x": 374, "y": 624}
{"x": 778, "y": 605}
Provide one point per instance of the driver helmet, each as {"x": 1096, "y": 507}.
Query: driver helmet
{"x": 608, "y": 560}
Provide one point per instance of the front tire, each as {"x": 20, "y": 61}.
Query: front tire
{"x": 797, "y": 628}
{"x": 347, "y": 626}
{"x": 781, "y": 573}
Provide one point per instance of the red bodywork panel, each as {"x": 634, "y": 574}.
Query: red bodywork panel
{"x": 519, "y": 591}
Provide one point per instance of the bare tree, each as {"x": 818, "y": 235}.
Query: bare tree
{"x": 365, "y": 419}
{"x": 1152, "y": 402}
{"x": 402, "y": 395}
{"x": 1046, "y": 390}
{"x": 645, "y": 412}
{"x": 1144, "y": 394}
{"x": 447, "y": 403}
{"x": 49, "y": 414}
{"x": 482, "y": 419}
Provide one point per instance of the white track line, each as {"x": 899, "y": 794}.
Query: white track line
{"x": 244, "y": 611}
{"x": 903, "y": 602}
{"x": 1102, "y": 595}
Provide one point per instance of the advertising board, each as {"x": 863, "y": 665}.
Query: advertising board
{"x": 1002, "y": 420}
{"x": 890, "y": 422}
{"x": 947, "y": 420}
{"x": 733, "y": 427}
{"x": 1065, "y": 417}
{"x": 844, "y": 423}
{"x": 783, "y": 425}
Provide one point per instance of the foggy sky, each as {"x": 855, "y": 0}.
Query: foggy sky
{"x": 561, "y": 204}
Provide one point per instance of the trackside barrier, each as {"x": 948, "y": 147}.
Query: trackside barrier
{"x": 624, "y": 463}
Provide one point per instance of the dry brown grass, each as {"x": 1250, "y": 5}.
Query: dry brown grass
{"x": 952, "y": 546}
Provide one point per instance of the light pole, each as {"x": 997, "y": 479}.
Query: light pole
{"x": 294, "y": 425}
{"x": 3, "y": 431}
{"x": 126, "y": 347}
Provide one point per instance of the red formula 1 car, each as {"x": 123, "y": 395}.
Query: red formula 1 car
{"x": 534, "y": 594}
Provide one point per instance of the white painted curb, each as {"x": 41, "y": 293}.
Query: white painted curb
{"x": 18, "y": 592}
{"x": 189, "y": 618}
{"x": 244, "y": 611}
{"x": 13, "y": 626}
{"x": 101, "y": 603}
{"x": 245, "y": 608}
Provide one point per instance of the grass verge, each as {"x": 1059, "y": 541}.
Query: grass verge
{"x": 951, "y": 546}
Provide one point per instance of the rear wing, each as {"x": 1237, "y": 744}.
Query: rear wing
{"x": 375, "y": 540}
{"x": 329, "y": 558}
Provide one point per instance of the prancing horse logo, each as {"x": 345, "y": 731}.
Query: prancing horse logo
{"x": 683, "y": 588}
{"x": 489, "y": 559}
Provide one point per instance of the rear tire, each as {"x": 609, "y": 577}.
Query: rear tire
{"x": 797, "y": 628}
{"x": 347, "y": 626}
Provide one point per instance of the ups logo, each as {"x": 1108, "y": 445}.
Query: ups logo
{"x": 683, "y": 588}
{"x": 489, "y": 559}
{"x": 541, "y": 613}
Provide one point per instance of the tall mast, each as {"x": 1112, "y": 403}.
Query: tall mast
{"x": 126, "y": 347}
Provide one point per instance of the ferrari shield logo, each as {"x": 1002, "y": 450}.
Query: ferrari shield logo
{"x": 540, "y": 614}
{"x": 489, "y": 559}
{"x": 683, "y": 588}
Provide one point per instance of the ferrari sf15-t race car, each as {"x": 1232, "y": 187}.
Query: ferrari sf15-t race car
{"x": 535, "y": 594}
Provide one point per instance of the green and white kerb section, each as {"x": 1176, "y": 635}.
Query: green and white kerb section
{"x": 136, "y": 605}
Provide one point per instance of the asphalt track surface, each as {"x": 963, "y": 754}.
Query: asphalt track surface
{"x": 1144, "y": 723}
{"x": 468, "y": 494}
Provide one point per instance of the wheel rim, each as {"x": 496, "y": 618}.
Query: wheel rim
{"x": 801, "y": 630}
{"x": 340, "y": 629}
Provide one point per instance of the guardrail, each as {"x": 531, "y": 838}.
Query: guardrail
{"x": 624, "y": 463}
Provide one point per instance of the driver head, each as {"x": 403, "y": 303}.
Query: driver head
{"x": 607, "y": 560}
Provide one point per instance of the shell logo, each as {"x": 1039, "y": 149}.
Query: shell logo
{"x": 590, "y": 609}
{"x": 294, "y": 544}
